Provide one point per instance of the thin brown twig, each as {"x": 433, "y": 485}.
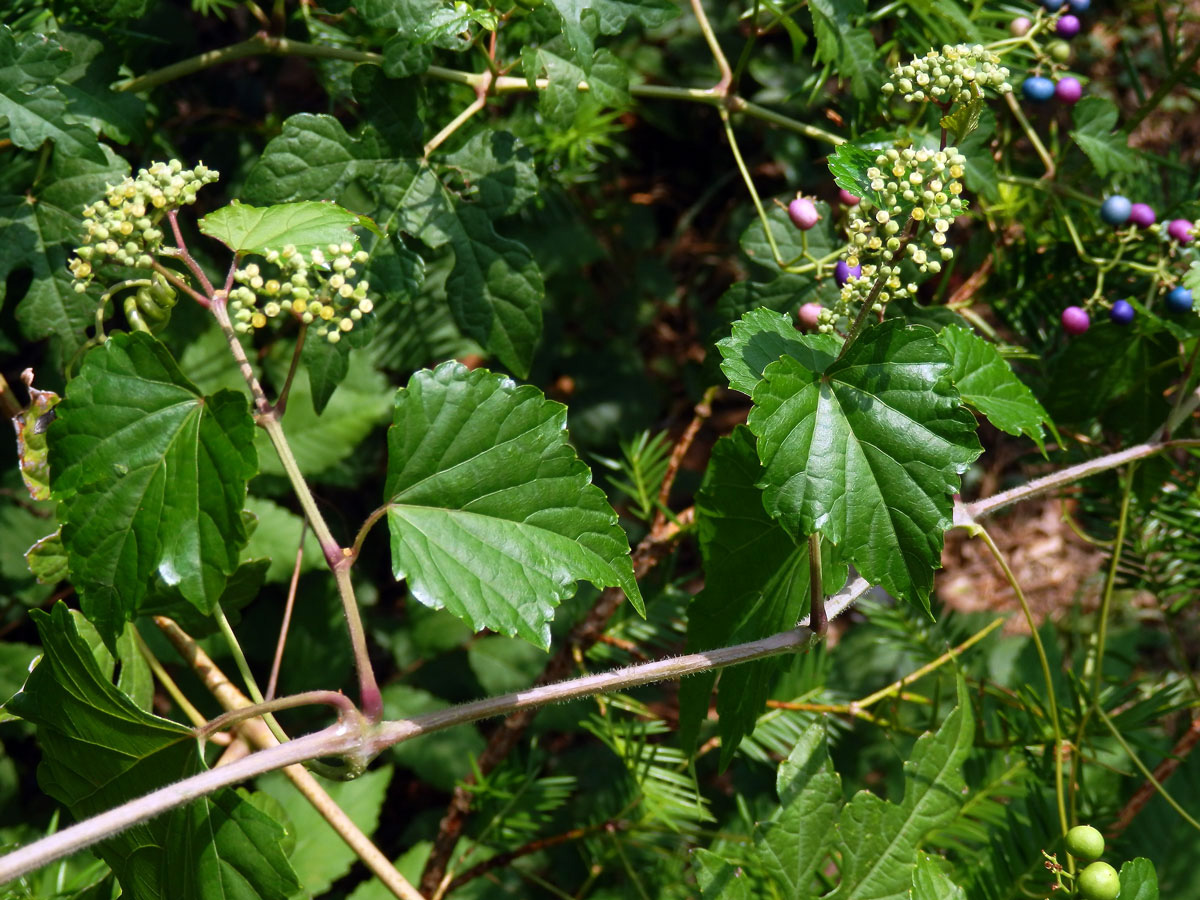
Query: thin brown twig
{"x": 289, "y": 605}
{"x": 678, "y": 452}
{"x": 256, "y": 733}
{"x": 1162, "y": 772}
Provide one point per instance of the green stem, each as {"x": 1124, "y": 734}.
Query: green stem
{"x": 722, "y": 86}
{"x": 1052, "y": 704}
{"x": 1015, "y": 109}
{"x": 166, "y": 680}
{"x": 1110, "y": 581}
{"x": 267, "y": 45}
{"x": 1141, "y": 767}
{"x": 818, "y": 621}
{"x": 243, "y": 666}
{"x": 860, "y": 321}
{"x": 741, "y": 165}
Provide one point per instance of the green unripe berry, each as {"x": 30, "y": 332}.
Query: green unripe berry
{"x": 1099, "y": 881}
{"x": 1060, "y": 51}
{"x": 1085, "y": 842}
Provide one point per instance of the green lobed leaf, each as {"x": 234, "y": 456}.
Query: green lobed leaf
{"x": 39, "y": 230}
{"x": 497, "y": 170}
{"x": 1109, "y": 150}
{"x": 492, "y": 514}
{"x": 964, "y": 120}
{"x": 609, "y": 17}
{"x": 794, "y": 245}
{"x": 495, "y": 288}
{"x": 987, "y": 382}
{"x": 392, "y": 106}
{"x": 929, "y": 882}
{"x": 718, "y": 879}
{"x": 95, "y": 64}
{"x": 796, "y": 840}
{"x": 276, "y": 538}
{"x": 851, "y": 49}
{"x": 756, "y": 583}
{"x": 99, "y": 749}
{"x": 878, "y": 840}
{"x": 1138, "y": 880}
{"x": 760, "y": 337}
{"x": 152, "y": 477}
{"x": 307, "y": 225}
{"x": 319, "y": 856}
{"x": 34, "y": 107}
{"x": 47, "y": 559}
{"x": 867, "y": 453}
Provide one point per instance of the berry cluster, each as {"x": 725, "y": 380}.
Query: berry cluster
{"x": 921, "y": 185}
{"x": 955, "y": 73}
{"x": 124, "y": 227}
{"x": 1097, "y": 880}
{"x": 314, "y": 289}
{"x": 1119, "y": 211}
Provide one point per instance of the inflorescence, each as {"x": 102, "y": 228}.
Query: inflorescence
{"x": 922, "y": 184}
{"x": 124, "y": 226}
{"x": 316, "y": 289}
{"x": 952, "y": 74}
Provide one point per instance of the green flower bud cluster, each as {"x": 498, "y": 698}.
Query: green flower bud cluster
{"x": 923, "y": 184}
{"x": 124, "y": 227}
{"x": 959, "y": 73}
{"x": 317, "y": 290}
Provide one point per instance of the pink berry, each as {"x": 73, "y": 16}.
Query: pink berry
{"x": 1067, "y": 27}
{"x": 1020, "y": 26}
{"x": 1075, "y": 320}
{"x": 1180, "y": 230}
{"x": 803, "y": 213}
{"x": 1068, "y": 90}
{"x": 1142, "y": 215}
{"x": 847, "y": 198}
{"x": 809, "y": 315}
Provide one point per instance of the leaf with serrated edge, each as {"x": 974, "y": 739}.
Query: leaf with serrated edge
{"x": 1095, "y": 119}
{"x": 797, "y": 838}
{"x": 495, "y": 288}
{"x": 760, "y": 337}
{"x": 39, "y": 229}
{"x": 987, "y": 382}
{"x": 152, "y": 476}
{"x": 306, "y": 225}
{"x": 868, "y": 452}
{"x": 756, "y": 583}
{"x": 717, "y": 878}
{"x": 878, "y": 840}
{"x": 100, "y": 750}
{"x": 492, "y": 514}
{"x": 930, "y": 883}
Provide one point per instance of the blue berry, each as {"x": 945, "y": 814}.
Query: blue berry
{"x": 1053, "y": 5}
{"x": 1121, "y": 312}
{"x": 1116, "y": 209}
{"x": 1037, "y": 88}
{"x": 1079, "y": 6}
{"x": 1179, "y": 299}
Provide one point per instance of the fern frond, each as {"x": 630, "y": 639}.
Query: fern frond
{"x": 643, "y": 465}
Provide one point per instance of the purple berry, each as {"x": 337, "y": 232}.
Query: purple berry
{"x": 1020, "y": 26}
{"x": 847, "y": 198}
{"x": 1115, "y": 210}
{"x": 843, "y": 272}
{"x": 1037, "y": 88}
{"x": 1121, "y": 312}
{"x": 1179, "y": 299}
{"x": 1180, "y": 230}
{"x": 1067, "y": 27}
{"x": 1075, "y": 320}
{"x": 1142, "y": 215}
{"x": 1068, "y": 90}
{"x": 809, "y": 315}
{"x": 803, "y": 214}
